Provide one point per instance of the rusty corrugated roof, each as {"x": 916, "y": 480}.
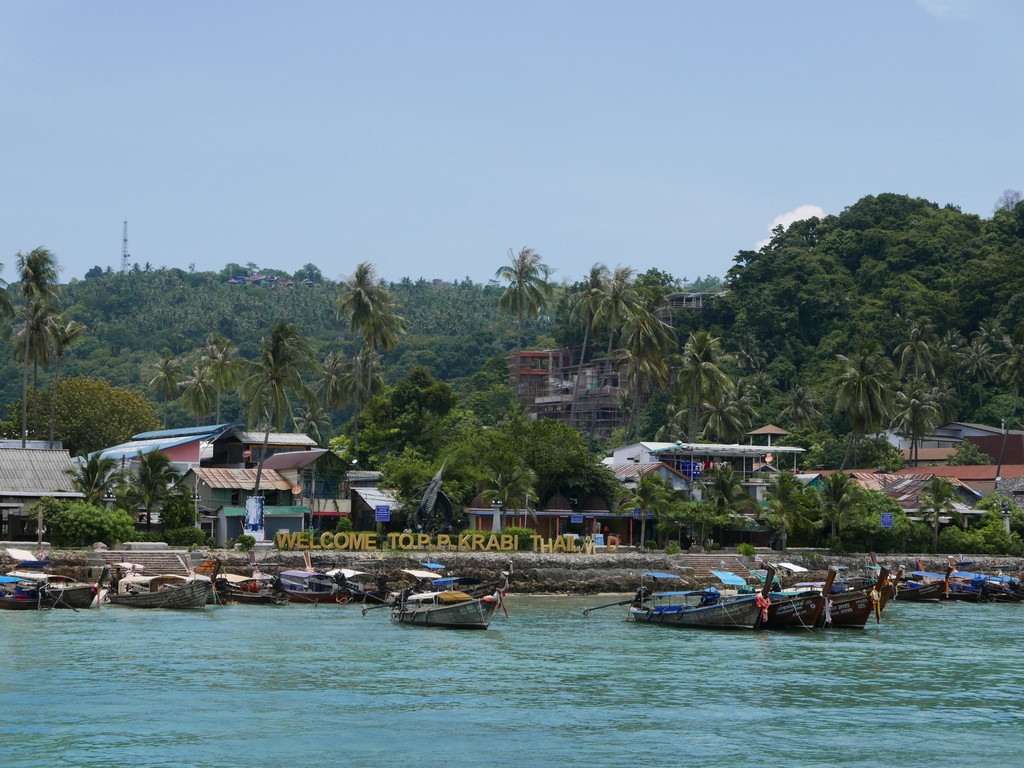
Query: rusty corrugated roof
{"x": 216, "y": 477}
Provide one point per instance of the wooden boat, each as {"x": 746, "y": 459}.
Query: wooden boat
{"x": 62, "y": 591}
{"x": 846, "y": 609}
{"x": 18, "y": 594}
{"x": 800, "y": 608}
{"x": 307, "y": 587}
{"x": 700, "y": 608}
{"x": 162, "y": 591}
{"x": 929, "y": 588}
{"x": 359, "y": 586}
{"x": 449, "y": 607}
{"x": 250, "y": 590}
{"x": 989, "y": 588}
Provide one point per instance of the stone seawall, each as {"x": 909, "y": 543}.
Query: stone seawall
{"x": 534, "y": 573}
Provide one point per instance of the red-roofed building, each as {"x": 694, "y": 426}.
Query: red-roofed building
{"x": 980, "y": 477}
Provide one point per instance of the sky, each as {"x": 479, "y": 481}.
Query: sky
{"x": 432, "y": 138}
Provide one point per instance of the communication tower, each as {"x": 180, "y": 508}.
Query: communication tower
{"x": 124, "y": 249}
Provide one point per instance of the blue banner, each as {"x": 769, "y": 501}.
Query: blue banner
{"x": 382, "y": 513}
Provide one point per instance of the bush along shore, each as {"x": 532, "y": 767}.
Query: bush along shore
{"x": 535, "y": 573}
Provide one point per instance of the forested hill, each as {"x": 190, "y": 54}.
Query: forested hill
{"x": 889, "y": 269}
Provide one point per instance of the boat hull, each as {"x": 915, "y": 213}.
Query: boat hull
{"x": 846, "y": 611}
{"x": 924, "y": 593}
{"x": 734, "y": 614}
{"x": 77, "y": 596}
{"x": 193, "y": 595}
{"x": 10, "y": 603}
{"x": 795, "y": 611}
{"x": 471, "y": 614}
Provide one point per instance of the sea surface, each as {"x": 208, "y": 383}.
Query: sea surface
{"x": 303, "y": 686}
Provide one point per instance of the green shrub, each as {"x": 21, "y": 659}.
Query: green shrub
{"x": 245, "y": 543}
{"x": 79, "y": 524}
{"x": 650, "y": 544}
{"x": 672, "y": 548}
{"x": 185, "y": 537}
{"x": 747, "y": 550}
{"x": 344, "y": 525}
{"x": 524, "y": 534}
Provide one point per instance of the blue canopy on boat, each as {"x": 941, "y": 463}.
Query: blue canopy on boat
{"x": 656, "y": 575}
{"x": 928, "y": 574}
{"x": 727, "y": 577}
{"x": 986, "y": 577}
{"x": 454, "y": 580}
{"x": 10, "y": 579}
{"x": 432, "y": 565}
{"x": 709, "y": 591}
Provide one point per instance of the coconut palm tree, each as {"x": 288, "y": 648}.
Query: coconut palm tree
{"x": 585, "y": 306}
{"x": 1012, "y": 367}
{"x": 723, "y": 489}
{"x": 154, "y": 480}
{"x": 166, "y": 382}
{"x": 223, "y": 366}
{"x": 63, "y": 334}
{"x": 787, "y": 505}
{"x": 919, "y": 349}
{"x": 978, "y": 361}
{"x": 728, "y": 416}
{"x": 917, "y": 412}
{"x": 937, "y": 498}
{"x": 864, "y": 390}
{"x": 526, "y": 296}
{"x": 369, "y": 309}
{"x": 840, "y": 501}
{"x": 37, "y": 284}
{"x": 94, "y": 476}
{"x": 199, "y": 392}
{"x": 510, "y": 482}
{"x": 618, "y": 301}
{"x": 652, "y": 494}
{"x": 646, "y": 340}
{"x": 700, "y": 376}
{"x": 275, "y": 377}
{"x": 802, "y": 408}
{"x": 362, "y": 382}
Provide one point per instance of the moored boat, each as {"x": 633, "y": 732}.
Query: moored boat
{"x": 18, "y": 594}
{"x": 462, "y": 603}
{"x": 161, "y": 591}
{"x": 307, "y": 587}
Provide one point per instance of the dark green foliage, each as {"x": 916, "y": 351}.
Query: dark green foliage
{"x": 77, "y": 524}
{"x": 524, "y": 534}
{"x": 186, "y": 537}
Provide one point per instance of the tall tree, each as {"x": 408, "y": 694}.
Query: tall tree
{"x": 937, "y": 498}
{"x": 508, "y": 482}
{"x": 94, "y": 476}
{"x": 652, "y": 494}
{"x": 787, "y": 505}
{"x": 700, "y": 376}
{"x": 619, "y": 300}
{"x": 526, "y": 296}
{"x": 369, "y": 309}
{"x": 919, "y": 349}
{"x": 362, "y": 381}
{"x": 646, "y": 341}
{"x": 864, "y": 389}
{"x": 917, "y": 412}
{"x": 37, "y": 285}
{"x": 223, "y": 366}
{"x": 801, "y": 407}
{"x": 841, "y": 502}
{"x": 63, "y": 334}
{"x": 586, "y": 304}
{"x": 153, "y": 482}
{"x": 166, "y": 383}
{"x": 275, "y": 377}
{"x": 199, "y": 392}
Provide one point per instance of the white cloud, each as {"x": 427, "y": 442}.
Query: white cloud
{"x": 797, "y": 214}
{"x": 951, "y": 10}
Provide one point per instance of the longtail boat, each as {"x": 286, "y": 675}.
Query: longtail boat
{"x": 308, "y": 587}
{"x": 449, "y": 607}
{"x": 931, "y": 588}
{"x": 18, "y": 594}
{"x": 162, "y": 591}
{"x": 845, "y": 609}
{"x": 802, "y": 608}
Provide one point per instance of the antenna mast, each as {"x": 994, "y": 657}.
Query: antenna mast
{"x": 124, "y": 249}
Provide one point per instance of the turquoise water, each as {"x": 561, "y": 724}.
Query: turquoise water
{"x": 316, "y": 686}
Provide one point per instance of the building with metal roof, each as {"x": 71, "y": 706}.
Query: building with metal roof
{"x": 26, "y": 476}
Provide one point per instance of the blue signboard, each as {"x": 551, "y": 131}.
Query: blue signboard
{"x": 575, "y": 518}
{"x": 887, "y": 519}
{"x": 382, "y": 513}
{"x": 638, "y": 513}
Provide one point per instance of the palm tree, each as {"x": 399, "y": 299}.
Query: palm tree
{"x": 63, "y": 334}
{"x": 646, "y": 340}
{"x": 94, "y": 476}
{"x": 801, "y": 409}
{"x": 919, "y": 348}
{"x": 369, "y": 309}
{"x": 37, "y": 276}
{"x": 700, "y": 378}
{"x": 864, "y": 392}
{"x": 937, "y": 497}
{"x": 168, "y": 374}
{"x": 917, "y": 412}
{"x": 510, "y": 482}
{"x": 154, "y": 480}
{"x": 199, "y": 392}
{"x": 723, "y": 489}
{"x": 652, "y": 494}
{"x": 787, "y": 504}
{"x": 223, "y": 366}
{"x": 728, "y": 416}
{"x": 526, "y": 296}
{"x": 1012, "y": 367}
{"x": 978, "y": 361}
{"x": 312, "y": 421}
{"x": 585, "y": 305}
{"x": 362, "y": 382}
{"x": 275, "y": 375}
{"x": 841, "y": 501}
{"x": 618, "y": 301}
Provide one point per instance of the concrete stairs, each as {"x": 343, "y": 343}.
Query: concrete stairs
{"x": 153, "y": 561}
{"x": 701, "y": 565}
